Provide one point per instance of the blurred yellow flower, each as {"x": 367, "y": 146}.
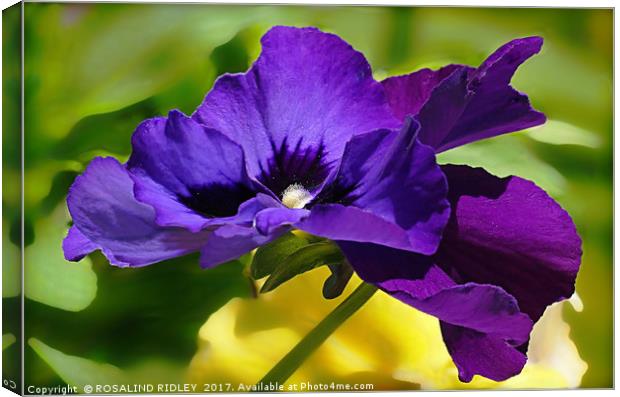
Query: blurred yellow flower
{"x": 387, "y": 344}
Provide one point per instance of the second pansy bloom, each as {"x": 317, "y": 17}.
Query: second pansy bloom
{"x": 307, "y": 139}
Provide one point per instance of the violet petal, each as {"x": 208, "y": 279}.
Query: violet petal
{"x": 393, "y": 183}
{"x": 76, "y": 246}
{"x": 307, "y": 90}
{"x": 232, "y": 241}
{"x": 188, "y": 173}
{"x": 106, "y": 213}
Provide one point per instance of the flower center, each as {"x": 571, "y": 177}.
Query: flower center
{"x": 295, "y": 196}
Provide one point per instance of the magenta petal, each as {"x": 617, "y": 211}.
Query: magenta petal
{"x": 105, "y": 212}
{"x": 307, "y": 90}
{"x": 509, "y": 232}
{"x": 476, "y": 353}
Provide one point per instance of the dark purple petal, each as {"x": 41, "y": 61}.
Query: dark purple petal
{"x": 105, "y": 212}
{"x": 395, "y": 184}
{"x": 509, "y": 232}
{"x": 466, "y": 104}
{"x": 230, "y": 242}
{"x": 76, "y": 246}
{"x": 188, "y": 173}
{"x": 408, "y": 93}
{"x": 476, "y": 353}
{"x": 508, "y": 251}
{"x": 417, "y": 281}
{"x": 495, "y": 107}
{"x": 297, "y": 106}
{"x": 443, "y": 111}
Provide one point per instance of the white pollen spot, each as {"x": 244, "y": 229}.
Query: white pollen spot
{"x": 295, "y": 196}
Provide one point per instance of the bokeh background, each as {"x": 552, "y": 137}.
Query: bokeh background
{"x": 94, "y": 71}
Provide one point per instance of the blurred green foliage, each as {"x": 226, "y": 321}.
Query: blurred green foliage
{"x": 94, "y": 71}
{"x": 11, "y": 196}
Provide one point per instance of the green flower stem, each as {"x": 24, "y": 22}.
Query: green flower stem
{"x": 293, "y": 360}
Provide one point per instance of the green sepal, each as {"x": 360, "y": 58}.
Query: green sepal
{"x": 303, "y": 260}
{"x": 270, "y": 255}
{"x": 338, "y": 280}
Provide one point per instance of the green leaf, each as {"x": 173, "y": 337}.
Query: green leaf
{"x": 48, "y": 277}
{"x": 504, "y": 156}
{"x": 158, "y": 310}
{"x": 85, "y": 136}
{"x": 303, "y": 260}
{"x": 11, "y": 265}
{"x": 556, "y": 132}
{"x": 7, "y": 340}
{"x": 119, "y": 55}
{"x": 78, "y": 371}
{"x": 269, "y": 256}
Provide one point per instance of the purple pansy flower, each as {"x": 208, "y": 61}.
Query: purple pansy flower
{"x": 307, "y": 139}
